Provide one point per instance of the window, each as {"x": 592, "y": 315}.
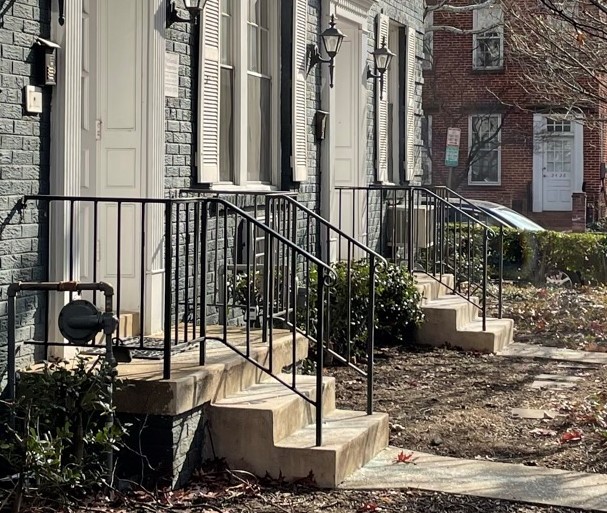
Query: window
{"x": 484, "y": 150}
{"x": 248, "y": 92}
{"x": 488, "y": 39}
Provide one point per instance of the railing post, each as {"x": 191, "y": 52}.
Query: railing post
{"x": 320, "y": 335}
{"x": 410, "y": 249}
{"x": 203, "y": 283}
{"x": 168, "y": 271}
{"x": 371, "y": 336}
{"x": 500, "y": 277}
{"x": 485, "y": 262}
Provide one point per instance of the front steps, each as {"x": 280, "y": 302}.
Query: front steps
{"x": 453, "y": 320}
{"x": 230, "y": 409}
{"x": 268, "y": 429}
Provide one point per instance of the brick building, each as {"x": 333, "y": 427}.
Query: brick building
{"x": 513, "y": 150}
{"x": 144, "y": 110}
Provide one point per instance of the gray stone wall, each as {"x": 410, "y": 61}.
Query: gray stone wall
{"x": 24, "y": 169}
{"x": 162, "y": 449}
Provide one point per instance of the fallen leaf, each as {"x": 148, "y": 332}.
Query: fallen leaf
{"x": 543, "y": 432}
{"x": 404, "y": 458}
{"x": 369, "y": 506}
{"x": 573, "y": 435}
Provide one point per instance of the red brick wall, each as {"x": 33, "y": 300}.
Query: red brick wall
{"x": 453, "y": 91}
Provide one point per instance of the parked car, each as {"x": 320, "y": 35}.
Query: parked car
{"x": 496, "y": 213}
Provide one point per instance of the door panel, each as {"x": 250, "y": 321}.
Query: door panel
{"x": 347, "y": 168}
{"x": 113, "y": 128}
{"x": 557, "y": 174}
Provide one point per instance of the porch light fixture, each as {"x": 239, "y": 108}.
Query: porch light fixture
{"x": 61, "y": 5}
{"x": 194, "y": 7}
{"x": 382, "y": 58}
{"x": 332, "y": 39}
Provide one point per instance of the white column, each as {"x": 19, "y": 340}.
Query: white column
{"x": 66, "y": 121}
{"x": 154, "y": 183}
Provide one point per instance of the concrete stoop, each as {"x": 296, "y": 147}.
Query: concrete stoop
{"x": 231, "y": 409}
{"x": 451, "y": 319}
{"x": 268, "y": 429}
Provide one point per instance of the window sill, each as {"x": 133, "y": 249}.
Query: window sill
{"x": 485, "y": 184}
{"x": 488, "y": 71}
{"x": 253, "y": 188}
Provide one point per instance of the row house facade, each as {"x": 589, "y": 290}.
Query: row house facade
{"x": 116, "y": 99}
{"x": 513, "y": 150}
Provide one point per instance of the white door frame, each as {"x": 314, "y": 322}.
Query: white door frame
{"x": 539, "y": 128}
{"x": 66, "y": 161}
{"x": 357, "y": 13}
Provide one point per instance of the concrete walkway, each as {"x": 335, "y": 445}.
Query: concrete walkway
{"x": 505, "y": 481}
{"x": 520, "y": 350}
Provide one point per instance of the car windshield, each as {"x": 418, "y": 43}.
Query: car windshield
{"x": 517, "y": 220}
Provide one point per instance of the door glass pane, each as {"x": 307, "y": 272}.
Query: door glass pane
{"x": 226, "y": 127}
{"x": 259, "y": 144}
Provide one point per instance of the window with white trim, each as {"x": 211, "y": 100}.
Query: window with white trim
{"x": 484, "y": 149}
{"x": 488, "y": 38}
{"x": 248, "y": 92}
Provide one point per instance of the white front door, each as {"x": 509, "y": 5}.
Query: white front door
{"x": 347, "y": 207}
{"x": 557, "y": 173}
{"x": 113, "y": 135}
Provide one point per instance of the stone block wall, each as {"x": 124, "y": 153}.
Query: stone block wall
{"x": 24, "y": 169}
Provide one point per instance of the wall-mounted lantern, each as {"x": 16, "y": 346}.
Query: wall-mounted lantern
{"x": 194, "y": 7}
{"x": 382, "y": 58}
{"x": 332, "y": 39}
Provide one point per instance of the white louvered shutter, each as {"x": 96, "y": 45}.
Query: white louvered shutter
{"x": 208, "y": 125}
{"x": 410, "y": 114}
{"x": 299, "y": 121}
{"x": 381, "y": 105}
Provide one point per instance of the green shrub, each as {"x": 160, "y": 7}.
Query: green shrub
{"x": 55, "y": 436}
{"x": 532, "y": 254}
{"x": 397, "y": 306}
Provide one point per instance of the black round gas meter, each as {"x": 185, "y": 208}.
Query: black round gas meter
{"x": 80, "y": 321}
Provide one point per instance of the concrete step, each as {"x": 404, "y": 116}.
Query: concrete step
{"x": 250, "y": 422}
{"x": 192, "y": 385}
{"x": 450, "y": 310}
{"x": 499, "y": 333}
{"x": 432, "y": 288}
{"x": 350, "y": 440}
{"x": 269, "y": 429}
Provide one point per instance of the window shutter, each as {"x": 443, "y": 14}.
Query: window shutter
{"x": 208, "y": 124}
{"x": 299, "y": 121}
{"x": 410, "y": 91}
{"x": 381, "y": 105}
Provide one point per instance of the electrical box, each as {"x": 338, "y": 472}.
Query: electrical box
{"x": 46, "y": 62}
{"x": 33, "y": 99}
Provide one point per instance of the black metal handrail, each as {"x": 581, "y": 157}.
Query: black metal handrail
{"x": 208, "y": 262}
{"x": 427, "y": 233}
{"x": 288, "y": 216}
{"x": 450, "y": 193}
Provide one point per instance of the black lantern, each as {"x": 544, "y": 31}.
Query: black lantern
{"x": 194, "y": 7}
{"x": 382, "y": 58}
{"x": 332, "y": 39}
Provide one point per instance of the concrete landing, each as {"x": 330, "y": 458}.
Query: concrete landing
{"x": 520, "y": 350}
{"x": 505, "y": 481}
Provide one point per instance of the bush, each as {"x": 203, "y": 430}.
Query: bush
{"x": 397, "y": 306}
{"x": 530, "y": 255}
{"x": 56, "y": 434}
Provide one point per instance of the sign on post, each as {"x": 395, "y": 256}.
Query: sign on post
{"x": 452, "y": 150}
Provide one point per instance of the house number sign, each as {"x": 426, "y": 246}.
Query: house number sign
{"x": 171, "y": 75}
